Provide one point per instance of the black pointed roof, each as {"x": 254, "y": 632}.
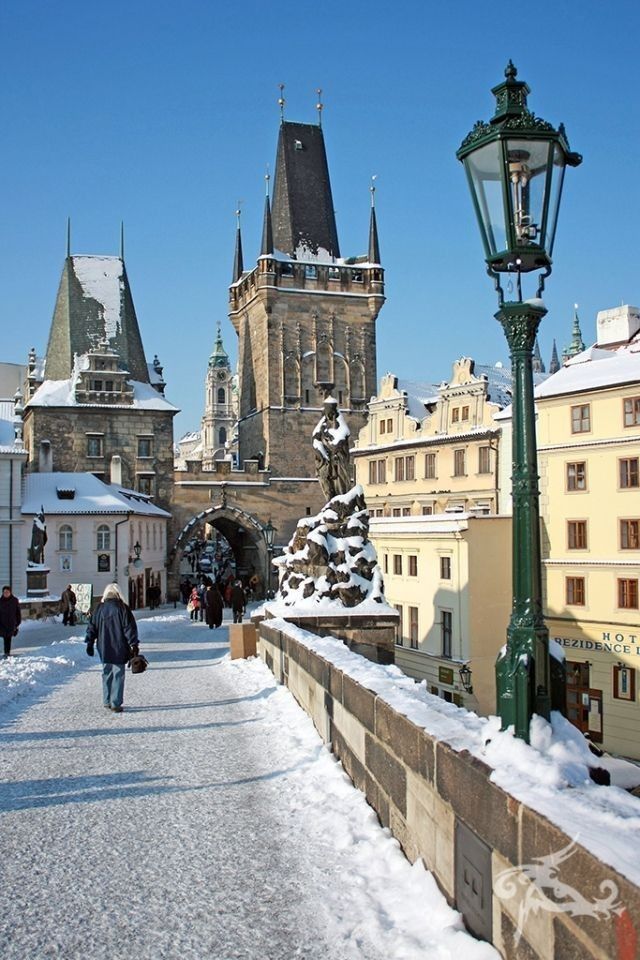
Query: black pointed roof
{"x": 303, "y": 214}
{"x": 238, "y": 265}
{"x": 266, "y": 247}
{"x": 94, "y": 308}
{"x": 374, "y": 246}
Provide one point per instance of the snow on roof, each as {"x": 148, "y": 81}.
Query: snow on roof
{"x": 8, "y": 442}
{"x": 61, "y": 393}
{"x": 594, "y": 368}
{"x": 90, "y": 496}
{"x": 418, "y": 394}
{"x": 101, "y": 278}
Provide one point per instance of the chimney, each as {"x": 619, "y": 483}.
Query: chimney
{"x": 617, "y": 325}
{"x": 45, "y": 457}
{"x": 115, "y": 471}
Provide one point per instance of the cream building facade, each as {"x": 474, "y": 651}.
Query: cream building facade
{"x": 448, "y": 575}
{"x": 428, "y": 460}
{"x": 589, "y": 458}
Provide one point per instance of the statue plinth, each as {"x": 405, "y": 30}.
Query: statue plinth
{"x": 371, "y": 634}
{"x": 37, "y": 581}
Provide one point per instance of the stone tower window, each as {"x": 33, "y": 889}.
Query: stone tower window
{"x": 222, "y": 436}
{"x": 221, "y": 395}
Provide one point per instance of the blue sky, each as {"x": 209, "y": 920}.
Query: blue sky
{"x": 164, "y": 114}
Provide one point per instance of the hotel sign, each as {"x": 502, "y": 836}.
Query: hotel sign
{"x": 618, "y": 643}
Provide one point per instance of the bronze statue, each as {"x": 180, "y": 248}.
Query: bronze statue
{"x": 331, "y": 446}
{"x": 38, "y": 539}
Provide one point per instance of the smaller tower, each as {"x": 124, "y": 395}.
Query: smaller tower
{"x": 537, "y": 364}
{"x": 577, "y": 343}
{"x": 554, "y": 366}
{"x": 220, "y": 415}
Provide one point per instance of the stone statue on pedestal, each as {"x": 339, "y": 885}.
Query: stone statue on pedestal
{"x": 331, "y": 447}
{"x": 38, "y": 539}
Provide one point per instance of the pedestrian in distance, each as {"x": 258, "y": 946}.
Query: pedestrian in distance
{"x": 194, "y": 604}
{"x": 238, "y": 601}
{"x": 10, "y": 618}
{"x": 202, "y": 589}
{"x": 214, "y": 606}
{"x": 113, "y": 629}
{"x": 68, "y": 607}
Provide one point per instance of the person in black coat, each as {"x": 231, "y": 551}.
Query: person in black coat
{"x": 214, "y": 606}
{"x": 238, "y": 601}
{"x": 10, "y": 618}
{"x": 114, "y": 628}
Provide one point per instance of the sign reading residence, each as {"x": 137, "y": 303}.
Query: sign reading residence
{"x": 611, "y": 643}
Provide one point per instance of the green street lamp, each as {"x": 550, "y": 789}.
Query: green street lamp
{"x": 515, "y": 167}
{"x": 269, "y": 533}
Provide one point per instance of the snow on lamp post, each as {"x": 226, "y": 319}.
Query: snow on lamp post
{"x": 269, "y": 533}
{"x": 515, "y": 167}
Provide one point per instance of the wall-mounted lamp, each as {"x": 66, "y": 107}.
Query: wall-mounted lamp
{"x": 137, "y": 562}
{"x": 465, "y": 678}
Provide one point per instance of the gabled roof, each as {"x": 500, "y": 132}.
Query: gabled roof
{"x": 595, "y": 368}
{"x": 302, "y": 216}
{"x": 90, "y": 496}
{"x": 94, "y": 306}
{"x": 61, "y": 393}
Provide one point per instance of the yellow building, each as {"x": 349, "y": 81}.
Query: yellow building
{"x": 589, "y": 456}
{"x": 448, "y": 575}
{"x": 428, "y": 460}
{"x": 429, "y": 449}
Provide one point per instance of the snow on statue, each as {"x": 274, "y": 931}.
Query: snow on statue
{"x": 330, "y": 561}
{"x": 38, "y": 539}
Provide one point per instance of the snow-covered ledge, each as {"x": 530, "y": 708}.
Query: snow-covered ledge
{"x": 538, "y": 858}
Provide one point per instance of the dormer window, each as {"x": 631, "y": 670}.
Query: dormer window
{"x": 310, "y": 272}
{"x": 334, "y": 273}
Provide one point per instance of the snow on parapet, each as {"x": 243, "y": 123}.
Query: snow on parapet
{"x": 101, "y": 278}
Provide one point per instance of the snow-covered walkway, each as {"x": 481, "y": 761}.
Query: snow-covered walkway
{"x": 206, "y": 822}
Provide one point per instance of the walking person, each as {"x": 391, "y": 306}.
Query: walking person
{"x": 10, "y": 618}
{"x": 202, "y": 589}
{"x": 68, "y": 607}
{"x": 238, "y": 601}
{"x": 214, "y": 606}
{"x": 113, "y": 627}
{"x": 194, "y": 604}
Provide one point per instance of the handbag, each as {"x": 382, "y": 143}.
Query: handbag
{"x": 138, "y": 664}
{"x": 190, "y": 607}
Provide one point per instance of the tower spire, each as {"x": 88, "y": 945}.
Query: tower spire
{"x": 122, "y": 239}
{"x": 537, "y": 364}
{"x": 577, "y": 343}
{"x": 68, "y": 236}
{"x": 281, "y": 101}
{"x": 374, "y": 246}
{"x": 554, "y": 366}
{"x": 238, "y": 265}
{"x": 266, "y": 247}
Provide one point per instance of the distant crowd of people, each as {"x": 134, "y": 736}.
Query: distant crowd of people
{"x": 206, "y": 599}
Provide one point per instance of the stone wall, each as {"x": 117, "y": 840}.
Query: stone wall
{"x": 443, "y": 808}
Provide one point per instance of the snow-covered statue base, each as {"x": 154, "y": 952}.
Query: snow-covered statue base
{"x": 330, "y": 580}
{"x": 330, "y": 562}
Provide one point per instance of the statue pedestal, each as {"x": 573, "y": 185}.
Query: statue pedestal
{"x": 372, "y": 635}
{"x": 37, "y": 581}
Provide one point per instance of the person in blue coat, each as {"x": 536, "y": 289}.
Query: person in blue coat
{"x": 113, "y": 629}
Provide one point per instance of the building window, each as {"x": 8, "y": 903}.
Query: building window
{"x": 103, "y": 537}
{"x": 577, "y": 476}
{"x": 222, "y": 397}
{"x": 310, "y": 272}
{"x": 455, "y": 415}
{"x": 630, "y": 534}
{"x": 632, "y": 412}
{"x": 377, "y": 471}
{"x": 306, "y": 396}
{"x": 447, "y": 629}
{"x": 445, "y": 568}
{"x": 427, "y": 511}
{"x": 65, "y": 535}
{"x": 389, "y": 425}
{"x": 399, "y": 468}
{"x": 629, "y": 473}
{"x": 575, "y": 591}
{"x": 334, "y": 273}
{"x": 413, "y": 565}
{"x": 386, "y": 563}
{"x": 465, "y": 413}
{"x": 383, "y": 425}
{"x": 108, "y": 385}
{"x": 410, "y": 468}
{"x": 399, "y": 629}
{"x": 624, "y": 682}
{"x": 396, "y": 512}
{"x": 581, "y": 418}
{"x": 459, "y": 463}
{"x": 95, "y": 385}
{"x": 577, "y": 534}
{"x": 373, "y": 471}
{"x": 484, "y": 460}
{"x": 628, "y": 594}
{"x": 397, "y": 564}
{"x": 94, "y": 446}
{"x": 145, "y": 485}
{"x": 222, "y": 436}
{"x": 430, "y": 466}
{"x": 144, "y": 446}
{"x": 413, "y": 627}
{"x": 406, "y": 511}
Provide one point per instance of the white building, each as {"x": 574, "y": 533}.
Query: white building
{"x": 95, "y": 530}
{"x": 13, "y": 456}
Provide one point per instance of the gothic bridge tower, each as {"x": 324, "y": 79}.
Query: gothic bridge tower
{"x": 304, "y": 315}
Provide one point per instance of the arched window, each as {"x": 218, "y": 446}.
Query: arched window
{"x": 66, "y": 537}
{"x": 103, "y": 537}
{"x": 222, "y": 398}
{"x": 222, "y": 436}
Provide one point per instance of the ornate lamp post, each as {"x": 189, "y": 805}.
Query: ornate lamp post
{"x": 269, "y": 532}
{"x": 515, "y": 167}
